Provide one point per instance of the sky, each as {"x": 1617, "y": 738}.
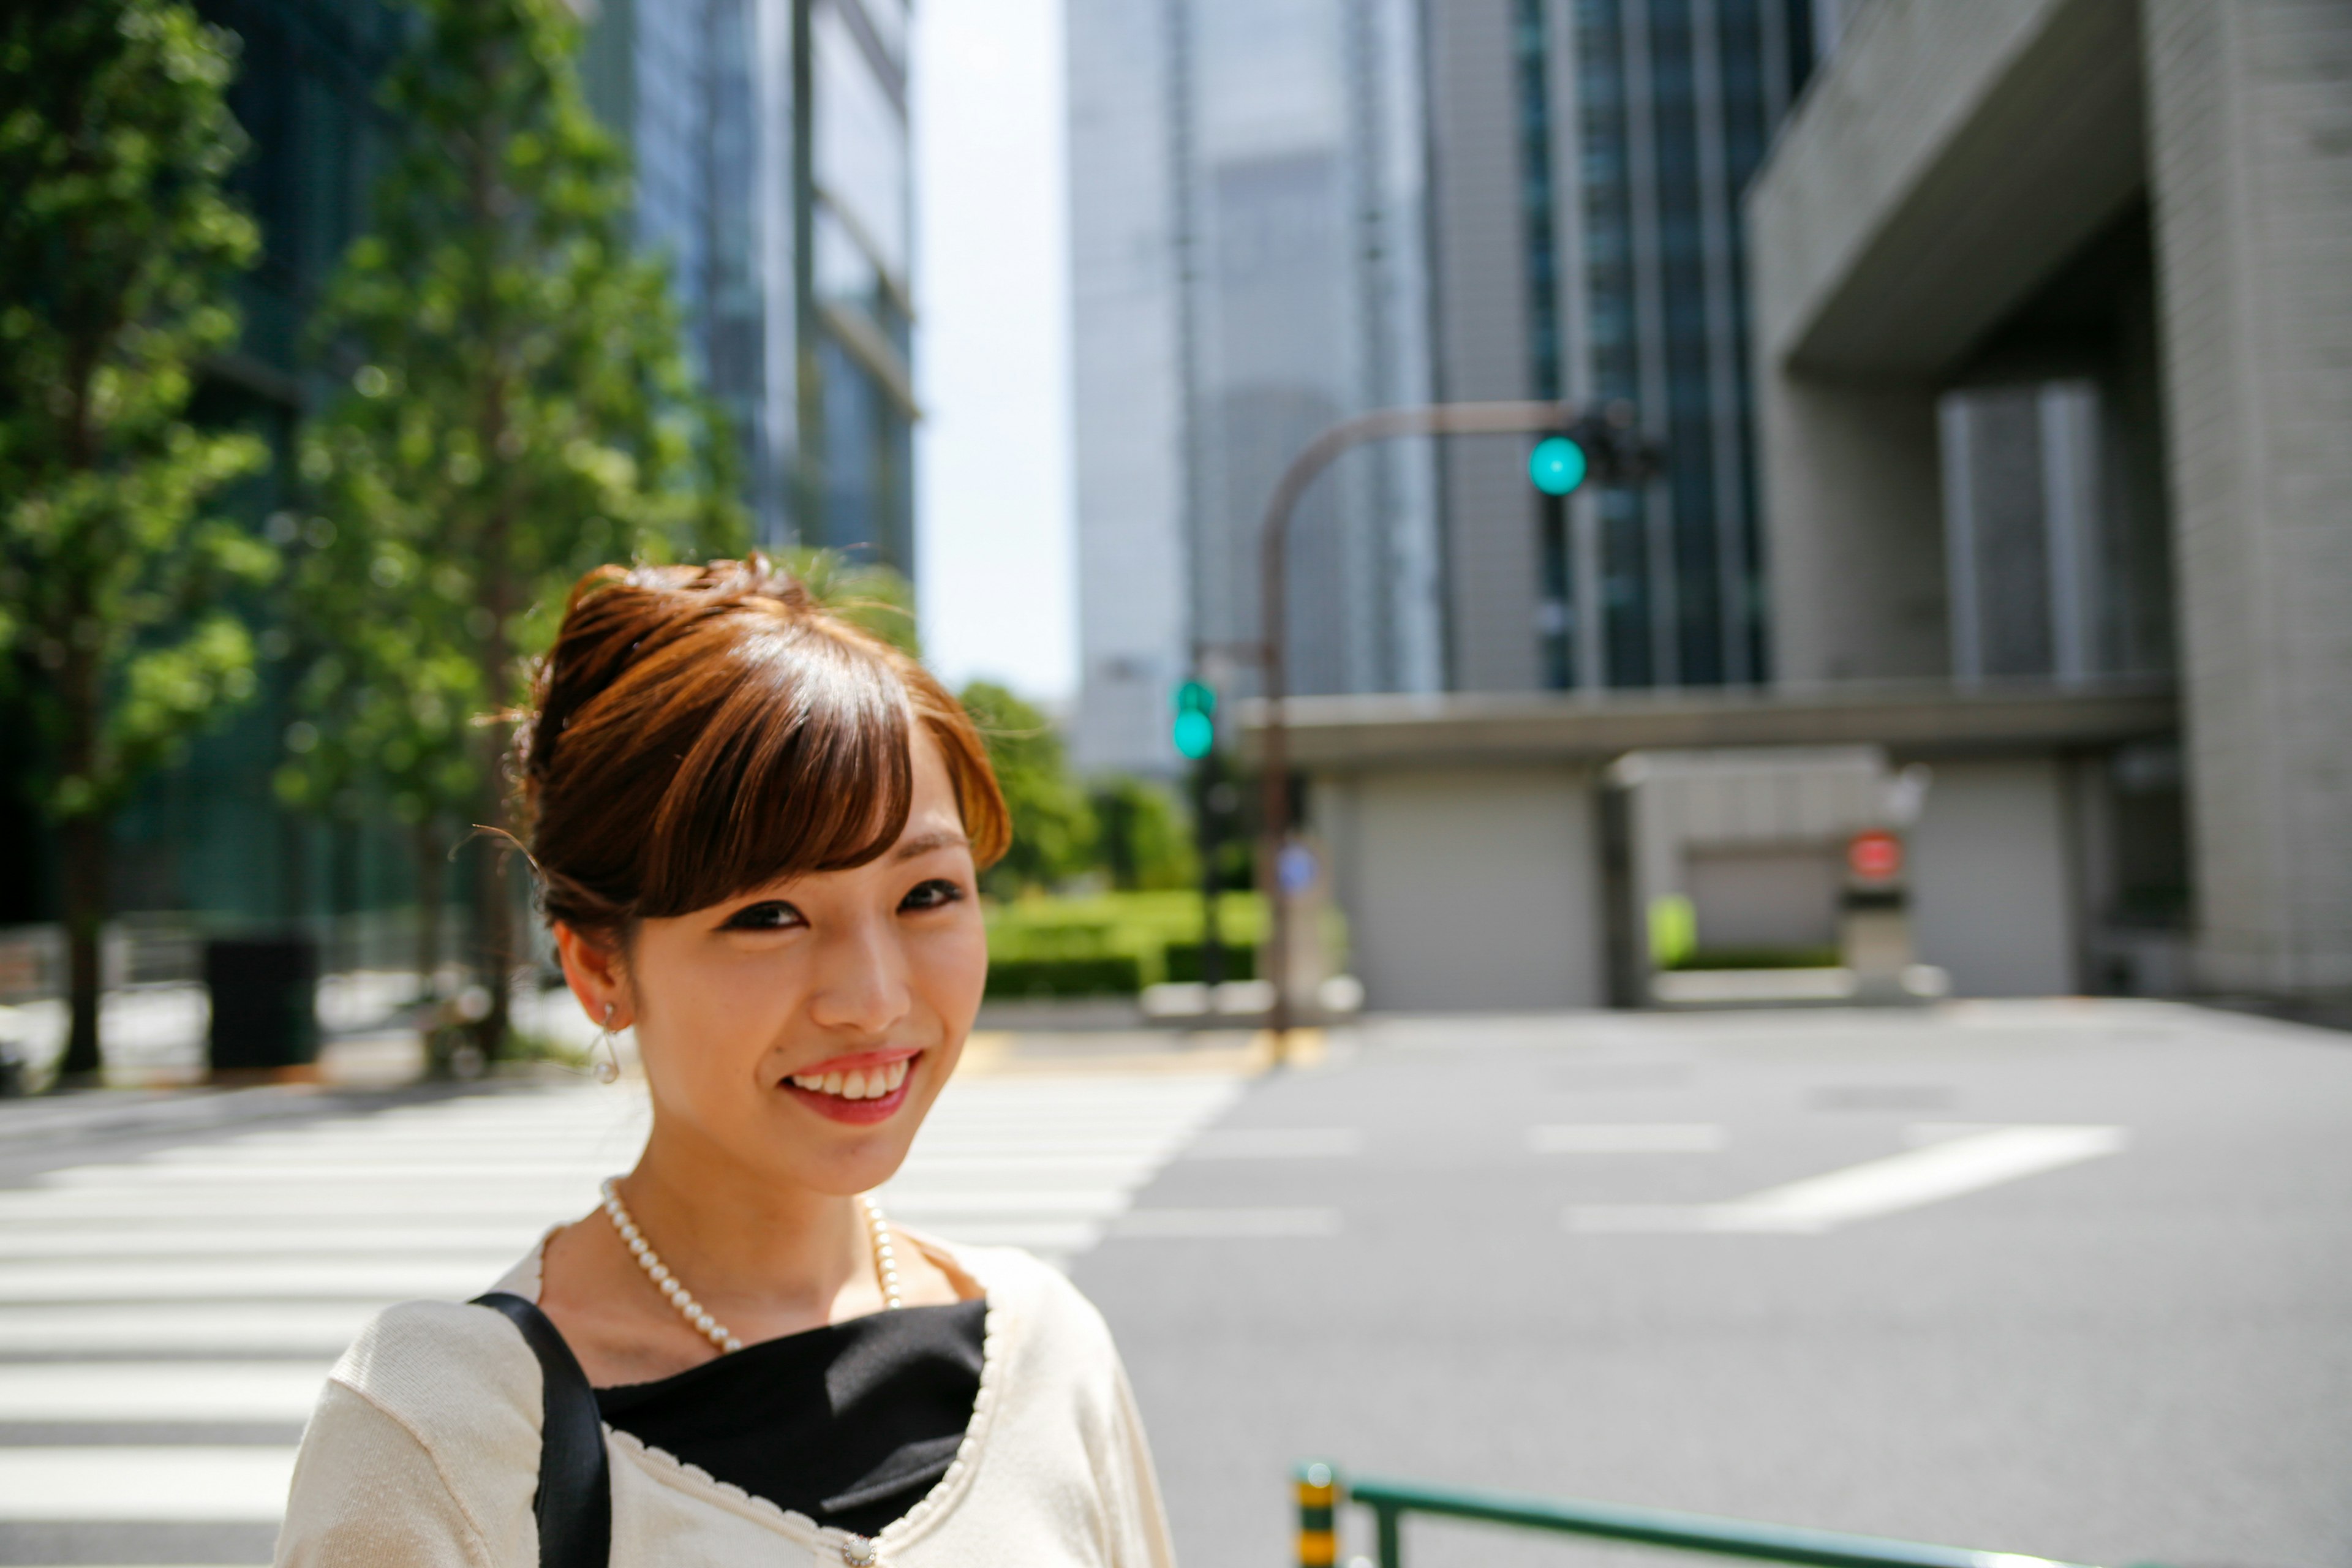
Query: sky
{"x": 995, "y": 541}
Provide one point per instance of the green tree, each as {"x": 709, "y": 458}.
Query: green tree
{"x": 1143, "y": 840}
{"x": 518, "y": 410}
{"x": 116, "y": 248}
{"x": 1053, "y": 825}
{"x": 874, "y": 599}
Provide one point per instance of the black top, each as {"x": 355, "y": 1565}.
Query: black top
{"x": 850, "y": 1424}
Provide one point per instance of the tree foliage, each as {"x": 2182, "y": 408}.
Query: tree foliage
{"x": 117, "y": 248}
{"x": 518, "y": 410}
{"x": 1052, "y": 823}
{"x": 1141, "y": 837}
{"x": 876, "y": 599}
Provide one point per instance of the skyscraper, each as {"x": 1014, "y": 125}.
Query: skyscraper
{"x": 1287, "y": 211}
{"x": 771, "y": 153}
{"x": 1247, "y": 189}
{"x": 1588, "y": 158}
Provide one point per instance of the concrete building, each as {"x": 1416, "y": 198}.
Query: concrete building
{"x": 1248, "y": 252}
{"x": 2052, "y": 355}
{"x": 771, "y": 146}
{"x": 2053, "y": 326}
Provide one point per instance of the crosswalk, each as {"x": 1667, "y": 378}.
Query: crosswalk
{"x": 166, "y": 1322}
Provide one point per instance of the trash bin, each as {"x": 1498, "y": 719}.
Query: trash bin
{"x": 265, "y": 1001}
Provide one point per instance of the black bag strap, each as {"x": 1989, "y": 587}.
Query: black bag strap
{"x": 573, "y": 1505}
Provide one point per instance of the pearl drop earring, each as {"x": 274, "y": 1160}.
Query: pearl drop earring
{"x": 609, "y": 1069}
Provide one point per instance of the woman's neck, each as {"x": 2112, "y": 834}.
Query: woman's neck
{"x": 780, "y": 1255}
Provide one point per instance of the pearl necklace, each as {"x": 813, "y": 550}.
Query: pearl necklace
{"x": 877, "y": 1229}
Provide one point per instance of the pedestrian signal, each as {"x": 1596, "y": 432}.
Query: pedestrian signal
{"x": 1196, "y": 722}
{"x": 1557, "y": 465}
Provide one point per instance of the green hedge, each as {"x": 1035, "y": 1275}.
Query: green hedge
{"x": 1101, "y": 974}
{"x": 1183, "y": 961}
{"x": 1761, "y": 958}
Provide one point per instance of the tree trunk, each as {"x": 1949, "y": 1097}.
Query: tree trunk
{"x": 431, "y": 859}
{"x": 83, "y": 844}
{"x": 494, "y": 929}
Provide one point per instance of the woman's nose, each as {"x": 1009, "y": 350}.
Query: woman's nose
{"x": 862, "y": 981}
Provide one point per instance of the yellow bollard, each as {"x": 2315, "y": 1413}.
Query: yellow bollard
{"x": 1319, "y": 1500}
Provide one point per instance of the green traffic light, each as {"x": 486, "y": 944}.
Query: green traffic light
{"x": 1557, "y": 465}
{"x": 1196, "y": 737}
{"x": 1196, "y": 729}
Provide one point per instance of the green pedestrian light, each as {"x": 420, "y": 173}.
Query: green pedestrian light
{"x": 1196, "y": 724}
{"x": 1557, "y": 465}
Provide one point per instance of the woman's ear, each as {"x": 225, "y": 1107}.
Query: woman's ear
{"x": 591, "y": 967}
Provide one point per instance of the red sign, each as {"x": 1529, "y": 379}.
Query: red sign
{"x": 1876, "y": 856}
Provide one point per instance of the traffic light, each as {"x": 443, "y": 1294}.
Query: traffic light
{"x": 1196, "y": 720}
{"x": 1602, "y": 447}
{"x": 1557, "y": 465}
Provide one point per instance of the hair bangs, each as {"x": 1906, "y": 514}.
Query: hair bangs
{"x": 702, "y": 731}
{"x": 802, "y": 766}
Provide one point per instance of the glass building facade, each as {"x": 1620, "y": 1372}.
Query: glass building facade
{"x": 773, "y": 159}
{"x": 1247, "y": 211}
{"x": 1667, "y": 107}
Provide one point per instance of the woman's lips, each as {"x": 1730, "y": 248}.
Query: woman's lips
{"x": 862, "y": 1094}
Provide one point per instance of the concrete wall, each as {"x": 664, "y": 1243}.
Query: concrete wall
{"x": 1468, "y": 889}
{"x": 2251, "y": 139}
{"x": 1952, "y": 157}
{"x": 1479, "y": 283}
{"x": 1854, "y": 556}
{"x": 1991, "y": 878}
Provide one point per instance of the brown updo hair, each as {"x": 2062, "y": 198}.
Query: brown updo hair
{"x": 698, "y": 732}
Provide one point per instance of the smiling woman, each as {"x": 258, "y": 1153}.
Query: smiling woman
{"x": 757, "y": 832}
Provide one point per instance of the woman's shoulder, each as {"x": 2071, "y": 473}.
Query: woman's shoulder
{"x": 441, "y": 1367}
{"x": 1045, "y": 1310}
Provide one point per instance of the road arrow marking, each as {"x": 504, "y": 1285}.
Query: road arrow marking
{"x": 1923, "y": 1176}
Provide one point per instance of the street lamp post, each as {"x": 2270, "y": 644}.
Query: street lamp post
{"x": 1274, "y": 543}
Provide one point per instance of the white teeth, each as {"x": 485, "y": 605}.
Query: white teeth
{"x": 864, "y": 1083}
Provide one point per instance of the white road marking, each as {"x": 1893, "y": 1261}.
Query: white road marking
{"x": 1227, "y": 1225}
{"x": 1276, "y": 1143}
{"x": 1906, "y": 1181}
{"x": 183, "y": 1327}
{"x": 53, "y": 1239}
{"x": 1626, "y": 1138}
{"x": 283, "y": 1242}
{"x": 216, "y": 1279}
{"x": 183, "y": 1485}
{"x": 161, "y": 1391}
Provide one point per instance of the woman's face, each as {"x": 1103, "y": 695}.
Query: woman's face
{"x": 804, "y": 1028}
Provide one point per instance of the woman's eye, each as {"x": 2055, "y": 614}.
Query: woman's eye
{"x": 933, "y": 895}
{"x": 773, "y": 915}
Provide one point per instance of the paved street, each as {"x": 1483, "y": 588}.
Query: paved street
{"x": 2062, "y": 1278}
{"x": 2084, "y": 1290}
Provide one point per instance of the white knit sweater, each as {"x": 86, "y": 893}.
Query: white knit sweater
{"x": 423, "y": 1453}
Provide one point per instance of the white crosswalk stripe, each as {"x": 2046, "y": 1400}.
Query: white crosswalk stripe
{"x": 201, "y": 1293}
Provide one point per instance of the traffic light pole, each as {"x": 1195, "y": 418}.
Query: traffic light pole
{"x": 1274, "y": 543}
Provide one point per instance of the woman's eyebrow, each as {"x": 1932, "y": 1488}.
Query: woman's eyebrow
{"x": 924, "y": 843}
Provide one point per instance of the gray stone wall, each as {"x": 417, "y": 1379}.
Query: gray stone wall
{"x": 2250, "y": 151}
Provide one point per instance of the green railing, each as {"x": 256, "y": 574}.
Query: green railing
{"x": 1321, "y": 1491}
